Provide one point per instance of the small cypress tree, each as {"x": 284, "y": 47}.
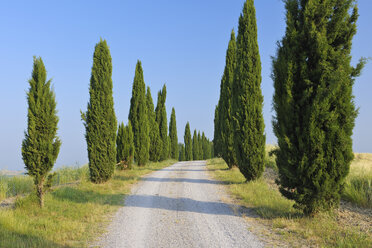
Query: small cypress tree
{"x": 195, "y": 146}
{"x": 100, "y": 120}
{"x": 201, "y": 155}
{"x": 156, "y": 143}
{"x": 139, "y": 118}
{"x": 313, "y": 101}
{"x": 206, "y": 147}
{"x": 217, "y": 133}
{"x": 125, "y": 146}
{"x": 225, "y": 115}
{"x": 249, "y": 138}
{"x": 188, "y": 143}
{"x": 161, "y": 119}
{"x": 173, "y": 136}
{"x": 181, "y": 149}
{"x": 120, "y": 143}
{"x": 41, "y": 145}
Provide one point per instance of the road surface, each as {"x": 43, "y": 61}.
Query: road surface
{"x": 179, "y": 206}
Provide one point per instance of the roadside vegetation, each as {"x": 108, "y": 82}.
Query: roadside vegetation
{"x": 288, "y": 224}
{"x": 74, "y": 214}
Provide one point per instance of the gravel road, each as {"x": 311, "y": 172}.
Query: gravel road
{"x": 179, "y": 206}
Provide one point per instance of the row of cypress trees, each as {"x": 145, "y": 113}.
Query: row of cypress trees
{"x": 239, "y": 126}
{"x": 313, "y": 101}
{"x": 144, "y": 138}
{"x": 197, "y": 147}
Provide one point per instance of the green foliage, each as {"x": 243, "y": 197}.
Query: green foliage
{"x": 156, "y": 143}
{"x": 125, "y": 146}
{"x": 205, "y": 143}
{"x": 248, "y": 123}
{"x": 100, "y": 120}
{"x": 195, "y": 147}
{"x": 200, "y": 146}
{"x": 161, "y": 119}
{"x": 225, "y": 108}
{"x": 217, "y": 143}
{"x": 313, "y": 101}
{"x": 182, "y": 153}
{"x": 173, "y": 136}
{"x": 138, "y": 117}
{"x": 188, "y": 143}
{"x": 41, "y": 145}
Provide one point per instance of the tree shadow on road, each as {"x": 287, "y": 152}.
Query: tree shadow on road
{"x": 180, "y": 204}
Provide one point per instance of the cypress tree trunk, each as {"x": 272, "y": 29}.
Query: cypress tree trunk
{"x": 313, "y": 101}
{"x": 161, "y": 119}
{"x": 173, "y": 135}
{"x": 156, "y": 143}
{"x": 249, "y": 138}
{"x": 225, "y": 115}
{"x": 41, "y": 145}
{"x": 100, "y": 120}
{"x": 188, "y": 143}
{"x": 195, "y": 146}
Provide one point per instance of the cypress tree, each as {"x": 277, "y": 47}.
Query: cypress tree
{"x": 249, "y": 138}
{"x": 201, "y": 155}
{"x": 125, "y": 146}
{"x": 156, "y": 143}
{"x": 313, "y": 101}
{"x": 161, "y": 119}
{"x": 100, "y": 120}
{"x": 188, "y": 143}
{"x": 138, "y": 117}
{"x": 173, "y": 136}
{"x": 181, "y": 149}
{"x": 195, "y": 146}
{"x": 217, "y": 131}
{"x": 206, "y": 147}
{"x": 41, "y": 145}
{"x": 225, "y": 114}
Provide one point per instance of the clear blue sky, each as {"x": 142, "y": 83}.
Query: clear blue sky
{"x": 180, "y": 43}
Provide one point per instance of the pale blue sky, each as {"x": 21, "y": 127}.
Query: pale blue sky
{"x": 180, "y": 43}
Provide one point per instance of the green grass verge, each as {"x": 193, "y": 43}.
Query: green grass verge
{"x": 73, "y": 215}
{"x": 278, "y": 212}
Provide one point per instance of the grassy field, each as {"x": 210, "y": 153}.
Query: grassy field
{"x": 74, "y": 214}
{"x": 285, "y": 222}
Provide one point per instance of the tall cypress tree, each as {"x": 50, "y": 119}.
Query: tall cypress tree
{"x": 156, "y": 143}
{"x": 139, "y": 118}
{"x": 100, "y": 120}
{"x": 41, "y": 145}
{"x": 125, "y": 146}
{"x": 188, "y": 143}
{"x": 161, "y": 119}
{"x": 225, "y": 112}
{"x": 249, "y": 138}
{"x": 173, "y": 136}
{"x": 195, "y": 146}
{"x": 313, "y": 101}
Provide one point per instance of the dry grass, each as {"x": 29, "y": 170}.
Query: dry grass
{"x": 73, "y": 215}
{"x": 281, "y": 221}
